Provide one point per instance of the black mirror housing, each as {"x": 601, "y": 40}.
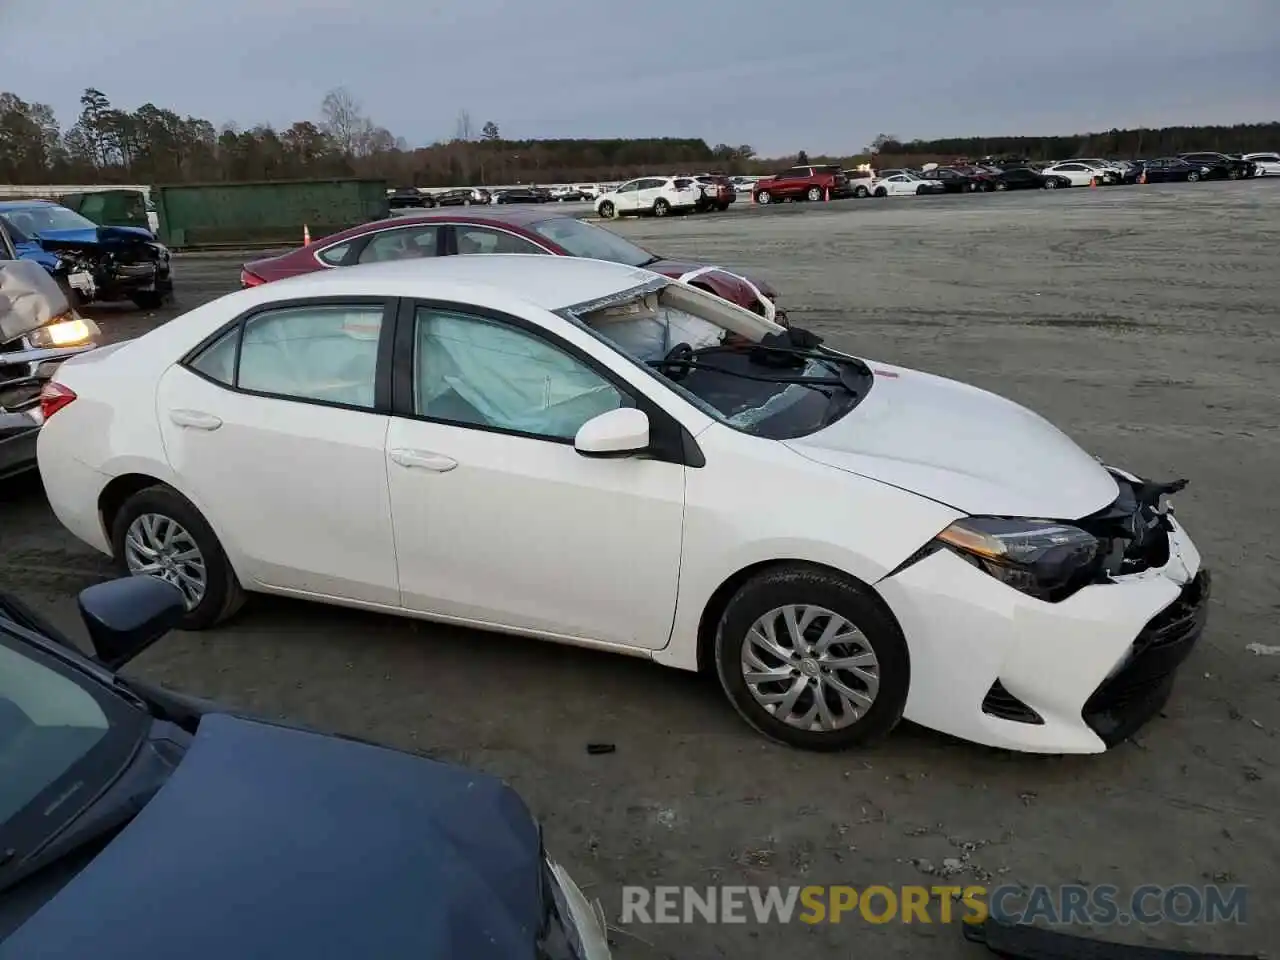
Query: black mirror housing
{"x": 126, "y": 616}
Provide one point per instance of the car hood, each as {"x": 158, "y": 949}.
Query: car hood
{"x": 270, "y": 841}
{"x": 108, "y": 237}
{"x": 962, "y": 446}
{"x": 730, "y": 278}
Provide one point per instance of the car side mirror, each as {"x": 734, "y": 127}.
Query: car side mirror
{"x": 619, "y": 433}
{"x": 126, "y": 616}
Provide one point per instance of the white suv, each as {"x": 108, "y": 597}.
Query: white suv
{"x": 660, "y": 196}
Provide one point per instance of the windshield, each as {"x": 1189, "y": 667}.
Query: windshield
{"x": 710, "y": 351}
{"x": 62, "y": 734}
{"x": 30, "y": 221}
{"x": 583, "y": 240}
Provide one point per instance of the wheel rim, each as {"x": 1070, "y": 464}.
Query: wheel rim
{"x": 660, "y": 208}
{"x": 606, "y": 209}
{"x": 810, "y": 668}
{"x": 764, "y": 196}
{"x": 159, "y": 546}
{"x": 815, "y": 194}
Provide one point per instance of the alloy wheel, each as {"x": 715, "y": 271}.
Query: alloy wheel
{"x": 810, "y": 668}
{"x": 159, "y": 546}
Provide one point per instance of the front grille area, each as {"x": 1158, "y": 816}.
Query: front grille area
{"x": 1137, "y": 691}
{"x": 999, "y": 702}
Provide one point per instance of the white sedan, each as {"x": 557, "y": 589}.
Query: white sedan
{"x": 659, "y": 196}
{"x": 1268, "y": 164}
{"x": 1079, "y": 172}
{"x": 904, "y": 185}
{"x": 589, "y": 453}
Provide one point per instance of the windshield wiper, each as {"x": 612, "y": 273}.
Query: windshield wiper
{"x": 651, "y": 260}
{"x": 682, "y": 360}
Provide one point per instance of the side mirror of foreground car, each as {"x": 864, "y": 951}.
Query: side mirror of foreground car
{"x": 126, "y": 616}
{"x": 619, "y": 433}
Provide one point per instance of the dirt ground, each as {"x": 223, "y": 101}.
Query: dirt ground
{"x": 1142, "y": 320}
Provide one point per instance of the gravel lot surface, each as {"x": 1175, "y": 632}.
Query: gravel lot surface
{"x": 1142, "y": 320}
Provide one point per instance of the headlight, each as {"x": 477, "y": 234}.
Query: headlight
{"x": 66, "y": 333}
{"x": 1041, "y": 558}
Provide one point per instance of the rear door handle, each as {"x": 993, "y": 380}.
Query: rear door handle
{"x": 195, "y": 419}
{"x": 424, "y": 460}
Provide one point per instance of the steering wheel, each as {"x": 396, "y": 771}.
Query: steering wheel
{"x": 677, "y": 360}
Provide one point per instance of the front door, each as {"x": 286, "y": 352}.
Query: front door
{"x": 274, "y": 433}
{"x": 627, "y": 199}
{"x": 498, "y": 520}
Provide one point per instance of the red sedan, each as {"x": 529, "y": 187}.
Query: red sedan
{"x": 442, "y": 233}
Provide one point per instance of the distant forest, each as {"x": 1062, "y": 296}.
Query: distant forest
{"x": 153, "y": 145}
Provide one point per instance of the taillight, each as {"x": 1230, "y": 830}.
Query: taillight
{"x": 248, "y": 279}
{"x": 53, "y": 397}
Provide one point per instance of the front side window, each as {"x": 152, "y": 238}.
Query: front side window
{"x": 479, "y": 372}
{"x": 407, "y": 243}
{"x": 631, "y": 187}
{"x": 473, "y": 240}
{"x": 323, "y": 352}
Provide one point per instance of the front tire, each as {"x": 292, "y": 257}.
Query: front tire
{"x": 608, "y": 211}
{"x": 159, "y": 532}
{"x": 814, "y": 194}
{"x": 1001, "y": 185}
{"x": 881, "y": 192}
{"x": 860, "y": 193}
{"x": 1051, "y": 184}
{"x": 812, "y": 659}
{"x": 1193, "y": 177}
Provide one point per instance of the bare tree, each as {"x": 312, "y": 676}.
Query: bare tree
{"x": 343, "y": 120}
{"x": 881, "y": 140}
{"x": 463, "y": 129}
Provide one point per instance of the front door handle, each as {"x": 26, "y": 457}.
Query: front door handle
{"x": 195, "y": 419}
{"x": 424, "y": 460}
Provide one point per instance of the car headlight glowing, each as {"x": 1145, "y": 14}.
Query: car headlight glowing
{"x": 66, "y": 333}
{"x": 1045, "y": 559}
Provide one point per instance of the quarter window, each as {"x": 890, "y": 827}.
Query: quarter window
{"x": 335, "y": 255}
{"x": 325, "y": 352}
{"x": 484, "y": 373}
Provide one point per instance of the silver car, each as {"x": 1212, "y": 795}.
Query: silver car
{"x": 38, "y": 330}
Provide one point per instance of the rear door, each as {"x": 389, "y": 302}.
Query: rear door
{"x": 648, "y": 191}
{"x": 277, "y": 430}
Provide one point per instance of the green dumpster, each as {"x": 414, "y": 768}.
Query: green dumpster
{"x": 265, "y": 213}
{"x": 110, "y": 208}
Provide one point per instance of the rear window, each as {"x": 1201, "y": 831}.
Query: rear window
{"x": 682, "y": 183}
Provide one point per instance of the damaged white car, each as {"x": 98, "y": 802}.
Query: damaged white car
{"x": 593, "y": 454}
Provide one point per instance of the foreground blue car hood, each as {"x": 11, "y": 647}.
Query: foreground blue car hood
{"x": 270, "y": 842}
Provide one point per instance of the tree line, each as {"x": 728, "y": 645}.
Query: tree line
{"x": 152, "y": 144}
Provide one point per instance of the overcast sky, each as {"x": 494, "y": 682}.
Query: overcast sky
{"x": 824, "y": 76}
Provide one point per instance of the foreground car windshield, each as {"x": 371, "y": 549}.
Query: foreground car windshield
{"x": 584, "y": 240}
{"x": 60, "y": 737}
{"x": 35, "y": 220}
{"x": 710, "y": 352}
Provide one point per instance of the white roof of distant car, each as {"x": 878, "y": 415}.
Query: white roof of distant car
{"x": 549, "y": 282}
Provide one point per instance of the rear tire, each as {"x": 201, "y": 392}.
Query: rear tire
{"x": 764, "y": 196}
{"x": 661, "y": 208}
{"x": 1193, "y": 177}
{"x": 879, "y": 681}
{"x": 860, "y": 193}
{"x": 881, "y": 192}
{"x": 222, "y": 596}
{"x": 1051, "y": 184}
{"x": 1001, "y": 185}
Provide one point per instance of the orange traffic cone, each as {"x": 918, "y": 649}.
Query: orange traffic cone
{"x": 1143, "y": 177}
{"x": 826, "y": 193}
{"x": 1093, "y": 182}
{"x": 306, "y": 235}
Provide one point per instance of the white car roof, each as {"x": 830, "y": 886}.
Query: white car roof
{"x": 548, "y": 282}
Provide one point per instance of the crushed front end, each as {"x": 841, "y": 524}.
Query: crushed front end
{"x": 38, "y": 330}
{"x": 1072, "y": 655}
{"x": 120, "y": 265}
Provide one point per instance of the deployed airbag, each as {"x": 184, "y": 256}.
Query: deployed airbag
{"x": 29, "y": 298}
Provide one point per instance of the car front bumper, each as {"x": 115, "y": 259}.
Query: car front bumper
{"x": 997, "y": 667}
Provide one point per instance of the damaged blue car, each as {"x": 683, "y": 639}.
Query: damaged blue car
{"x": 96, "y": 263}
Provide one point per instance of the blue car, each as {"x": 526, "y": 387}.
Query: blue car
{"x": 97, "y": 263}
{"x": 137, "y": 822}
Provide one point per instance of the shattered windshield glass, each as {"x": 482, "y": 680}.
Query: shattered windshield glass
{"x": 731, "y": 364}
